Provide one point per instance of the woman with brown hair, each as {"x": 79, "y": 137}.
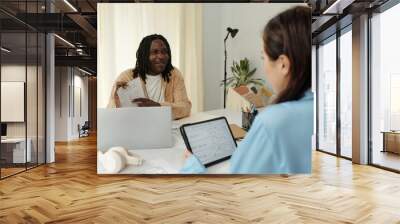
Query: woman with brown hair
{"x": 279, "y": 140}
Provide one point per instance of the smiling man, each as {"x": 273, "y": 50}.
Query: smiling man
{"x": 155, "y": 82}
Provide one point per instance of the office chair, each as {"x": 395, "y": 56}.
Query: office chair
{"x": 84, "y": 130}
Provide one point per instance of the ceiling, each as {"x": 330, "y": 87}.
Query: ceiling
{"x": 76, "y": 23}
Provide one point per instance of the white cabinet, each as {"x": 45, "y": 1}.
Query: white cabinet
{"x": 17, "y": 146}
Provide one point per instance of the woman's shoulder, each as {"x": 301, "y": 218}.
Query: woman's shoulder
{"x": 287, "y": 114}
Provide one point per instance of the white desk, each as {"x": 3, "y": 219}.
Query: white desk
{"x": 18, "y": 150}
{"x": 171, "y": 160}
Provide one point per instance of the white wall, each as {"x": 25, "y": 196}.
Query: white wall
{"x": 80, "y": 83}
{"x": 213, "y": 56}
{"x": 61, "y": 103}
{"x": 250, "y": 19}
{"x": 67, "y": 120}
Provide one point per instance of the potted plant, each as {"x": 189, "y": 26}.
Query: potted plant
{"x": 242, "y": 75}
{"x": 239, "y": 85}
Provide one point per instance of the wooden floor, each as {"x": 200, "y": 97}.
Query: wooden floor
{"x": 10, "y": 171}
{"x": 70, "y": 191}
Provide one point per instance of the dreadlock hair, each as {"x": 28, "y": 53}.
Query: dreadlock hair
{"x": 142, "y": 58}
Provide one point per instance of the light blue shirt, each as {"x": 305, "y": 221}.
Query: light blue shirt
{"x": 279, "y": 141}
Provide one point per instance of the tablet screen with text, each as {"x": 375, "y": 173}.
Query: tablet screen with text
{"x": 210, "y": 141}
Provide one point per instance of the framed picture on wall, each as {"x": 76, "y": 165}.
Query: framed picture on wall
{"x": 12, "y": 101}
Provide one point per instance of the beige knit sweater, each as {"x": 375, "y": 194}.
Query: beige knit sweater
{"x": 175, "y": 93}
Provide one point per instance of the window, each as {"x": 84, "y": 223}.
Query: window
{"x": 385, "y": 89}
{"x": 22, "y": 65}
{"x": 394, "y": 102}
{"x": 346, "y": 93}
{"x": 327, "y": 96}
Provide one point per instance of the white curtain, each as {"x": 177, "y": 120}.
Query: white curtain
{"x": 121, "y": 27}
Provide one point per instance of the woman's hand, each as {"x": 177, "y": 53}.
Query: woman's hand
{"x": 187, "y": 153}
{"x": 144, "y": 102}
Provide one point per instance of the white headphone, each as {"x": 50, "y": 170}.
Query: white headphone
{"x": 116, "y": 158}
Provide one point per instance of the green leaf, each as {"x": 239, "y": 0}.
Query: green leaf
{"x": 242, "y": 73}
{"x": 252, "y": 72}
{"x": 230, "y": 79}
{"x": 256, "y": 82}
{"x": 229, "y": 84}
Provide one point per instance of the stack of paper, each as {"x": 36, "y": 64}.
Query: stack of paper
{"x": 132, "y": 91}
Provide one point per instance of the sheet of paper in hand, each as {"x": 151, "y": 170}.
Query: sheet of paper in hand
{"x": 132, "y": 91}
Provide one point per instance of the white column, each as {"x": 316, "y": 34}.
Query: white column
{"x": 50, "y": 92}
{"x": 50, "y": 100}
{"x": 360, "y": 90}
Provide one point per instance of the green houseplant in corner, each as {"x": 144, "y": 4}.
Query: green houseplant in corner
{"x": 242, "y": 75}
{"x": 244, "y": 84}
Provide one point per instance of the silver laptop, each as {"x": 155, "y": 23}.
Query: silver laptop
{"x": 134, "y": 127}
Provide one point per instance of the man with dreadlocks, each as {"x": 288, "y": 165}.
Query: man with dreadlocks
{"x": 155, "y": 81}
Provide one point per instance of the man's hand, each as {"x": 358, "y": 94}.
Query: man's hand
{"x": 144, "y": 102}
{"x": 122, "y": 84}
{"x": 118, "y": 85}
